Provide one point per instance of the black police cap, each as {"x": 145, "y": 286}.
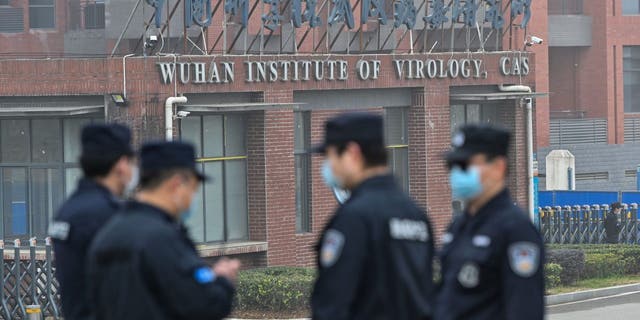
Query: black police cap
{"x": 478, "y": 139}
{"x": 361, "y": 128}
{"x": 159, "y": 156}
{"x": 110, "y": 140}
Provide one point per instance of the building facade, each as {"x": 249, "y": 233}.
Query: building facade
{"x": 258, "y": 93}
{"x": 593, "y": 96}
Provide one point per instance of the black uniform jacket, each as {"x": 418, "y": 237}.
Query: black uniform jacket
{"x": 142, "y": 265}
{"x": 375, "y": 258}
{"x": 612, "y": 227}
{"x": 492, "y": 266}
{"x": 72, "y": 231}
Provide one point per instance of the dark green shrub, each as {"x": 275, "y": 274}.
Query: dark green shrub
{"x": 602, "y": 265}
{"x": 552, "y": 272}
{"x": 274, "y": 289}
{"x": 571, "y": 261}
{"x": 605, "y": 260}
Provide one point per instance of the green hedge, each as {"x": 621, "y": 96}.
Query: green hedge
{"x": 600, "y": 261}
{"x": 552, "y": 274}
{"x": 274, "y": 289}
{"x": 572, "y": 262}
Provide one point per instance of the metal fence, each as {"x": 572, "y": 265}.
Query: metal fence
{"x": 27, "y": 275}
{"x": 585, "y": 224}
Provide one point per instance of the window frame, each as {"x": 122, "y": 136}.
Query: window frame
{"x": 630, "y": 14}
{"x": 628, "y": 109}
{"x": 53, "y": 13}
{"x": 394, "y": 149}
{"x": 304, "y": 218}
{"x": 98, "y": 23}
{"x": 30, "y": 165}
{"x": 202, "y": 159}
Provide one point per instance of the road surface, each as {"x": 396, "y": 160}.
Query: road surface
{"x": 619, "y": 307}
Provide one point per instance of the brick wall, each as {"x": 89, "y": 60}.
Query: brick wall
{"x": 271, "y": 175}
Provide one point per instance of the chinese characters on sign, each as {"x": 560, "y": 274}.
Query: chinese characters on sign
{"x": 198, "y": 12}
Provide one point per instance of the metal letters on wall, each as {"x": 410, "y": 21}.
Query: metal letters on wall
{"x": 342, "y": 12}
{"x": 405, "y": 12}
{"x": 157, "y": 5}
{"x": 373, "y": 9}
{"x": 521, "y": 7}
{"x": 198, "y": 12}
{"x": 493, "y": 14}
{"x": 309, "y": 14}
{"x": 272, "y": 19}
{"x": 438, "y": 15}
{"x": 235, "y": 7}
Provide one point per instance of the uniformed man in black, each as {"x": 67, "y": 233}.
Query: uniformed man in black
{"x": 142, "y": 264}
{"x": 109, "y": 171}
{"x": 492, "y": 255}
{"x": 612, "y": 223}
{"x": 375, "y": 254}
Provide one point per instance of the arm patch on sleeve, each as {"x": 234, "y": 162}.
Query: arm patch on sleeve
{"x": 204, "y": 275}
{"x": 524, "y": 258}
{"x": 332, "y": 244}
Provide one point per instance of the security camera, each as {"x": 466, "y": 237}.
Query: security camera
{"x": 151, "y": 42}
{"x": 183, "y": 114}
{"x": 536, "y": 40}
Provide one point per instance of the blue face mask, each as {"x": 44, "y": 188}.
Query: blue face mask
{"x": 329, "y": 178}
{"x": 185, "y": 215}
{"x": 465, "y": 185}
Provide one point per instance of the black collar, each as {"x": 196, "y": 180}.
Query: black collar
{"x": 90, "y": 185}
{"x": 375, "y": 182}
{"x": 137, "y": 206}
{"x": 502, "y": 199}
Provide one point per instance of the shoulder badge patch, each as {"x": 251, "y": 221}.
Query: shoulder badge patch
{"x": 59, "y": 230}
{"x": 204, "y": 275}
{"x": 469, "y": 275}
{"x": 524, "y": 258}
{"x": 332, "y": 244}
{"x": 447, "y": 238}
{"x": 481, "y": 241}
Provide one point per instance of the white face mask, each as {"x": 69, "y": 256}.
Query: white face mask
{"x": 131, "y": 185}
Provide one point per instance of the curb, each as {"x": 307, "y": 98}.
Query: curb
{"x": 268, "y": 319}
{"x": 590, "y": 294}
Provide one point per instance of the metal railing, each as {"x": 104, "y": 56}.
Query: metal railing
{"x": 28, "y": 279}
{"x": 585, "y": 224}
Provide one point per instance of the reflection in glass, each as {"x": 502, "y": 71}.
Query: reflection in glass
{"x": 14, "y": 203}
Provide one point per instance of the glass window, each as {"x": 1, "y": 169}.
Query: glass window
{"x": 14, "y": 140}
{"x": 191, "y": 131}
{"x": 42, "y": 14}
{"x": 46, "y": 141}
{"x": 234, "y": 136}
{"x": 46, "y": 198}
{"x": 214, "y": 193}
{"x": 71, "y": 178}
{"x": 631, "y": 78}
{"x": 14, "y": 195}
{"x": 462, "y": 114}
{"x": 94, "y": 15}
{"x": 221, "y": 207}
{"x": 4, "y": 2}
{"x": 38, "y": 169}
{"x": 397, "y": 141}
{"x": 195, "y": 223}
{"x": 630, "y": 7}
{"x": 236, "y": 199}
{"x": 302, "y": 133}
{"x": 72, "y": 131}
{"x": 213, "y": 139}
